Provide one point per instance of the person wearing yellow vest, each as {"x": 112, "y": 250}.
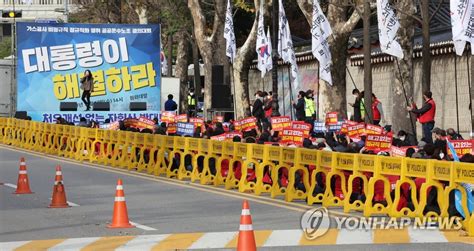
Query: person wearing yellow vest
{"x": 309, "y": 107}
{"x": 191, "y": 103}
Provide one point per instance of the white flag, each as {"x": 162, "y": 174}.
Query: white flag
{"x": 285, "y": 44}
{"x": 269, "y": 61}
{"x": 164, "y": 62}
{"x": 261, "y": 43}
{"x": 229, "y": 34}
{"x": 462, "y": 20}
{"x": 320, "y": 32}
{"x": 388, "y": 27}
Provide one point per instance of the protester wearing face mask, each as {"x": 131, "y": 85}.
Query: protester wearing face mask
{"x": 401, "y": 140}
{"x": 257, "y": 109}
{"x": 309, "y": 107}
{"x": 191, "y": 103}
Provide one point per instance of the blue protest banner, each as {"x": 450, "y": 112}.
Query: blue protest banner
{"x": 185, "y": 129}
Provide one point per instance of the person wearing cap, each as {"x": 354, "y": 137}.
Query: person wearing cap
{"x": 191, "y": 103}
{"x": 309, "y": 107}
{"x": 299, "y": 106}
{"x": 453, "y": 135}
{"x": 426, "y": 115}
{"x": 440, "y": 140}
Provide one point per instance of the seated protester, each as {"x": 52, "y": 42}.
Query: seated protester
{"x": 264, "y": 137}
{"x": 341, "y": 144}
{"x": 401, "y": 139}
{"x": 218, "y": 130}
{"x": 453, "y": 135}
{"x": 409, "y": 153}
{"x": 353, "y": 148}
{"x": 197, "y": 132}
{"x": 161, "y": 129}
{"x": 468, "y": 158}
{"x": 439, "y": 137}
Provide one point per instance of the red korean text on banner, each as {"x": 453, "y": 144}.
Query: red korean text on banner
{"x": 114, "y": 126}
{"x": 331, "y": 118}
{"x": 292, "y": 137}
{"x": 353, "y": 131}
{"x": 171, "y": 128}
{"x": 183, "y": 118}
{"x": 238, "y": 125}
{"x": 279, "y": 123}
{"x": 198, "y": 122}
{"x": 231, "y": 135}
{"x": 219, "y": 119}
{"x": 378, "y": 143}
{"x": 248, "y": 124}
{"x": 462, "y": 147}
{"x": 373, "y": 129}
{"x": 221, "y": 137}
{"x": 146, "y": 123}
{"x": 401, "y": 151}
{"x": 168, "y": 117}
{"x": 300, "y": 125}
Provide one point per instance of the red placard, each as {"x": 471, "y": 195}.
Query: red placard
{"x": 300, "y": 125}
{"x": 221, "y": 137}
{"x": 168, "y": 117}
{"x": 183, "y": 118}
{"x": 373, "y": 129}
{"x": 398, "y": 151}
{"x": 231, "y": 135}
{"x": 462, "y": 147}
{"x": 171, "y": 128}
{"x": 238, "y": 125}
{"x": 197, "y": 122}
{"x": 331, "y": 118}
{"x": 279, "y": 123}
{"x": 378, "y": 142}
{"x": 292, "y": 136}
{"x": 218, "y": 119}
{"x": 248, "y": 124}
{"x": 353, "y": 131}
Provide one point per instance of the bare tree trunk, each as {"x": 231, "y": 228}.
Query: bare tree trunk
{"x": 212, "y": 47}
{"x": 401, "y": 119}
{"x": 275, "y": 23}
{"x": 241, "y": 69}
{"x": 426, "y": 59}
{"x": 367, "y": 64}
{"x": 197, "y": 71}
{"x": 182, "y": 69}
{"x": 142, "y": 14}
{"x": 333, "y": 98}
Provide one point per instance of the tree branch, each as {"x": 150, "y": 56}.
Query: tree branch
{"x": 198, "y": 17}
{"x": 441, "y": 2}
{"x": 408, "y": 15}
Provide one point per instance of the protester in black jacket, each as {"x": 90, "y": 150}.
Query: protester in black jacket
{"x": 257, "y": 109}
{"x": 299, "y": 107}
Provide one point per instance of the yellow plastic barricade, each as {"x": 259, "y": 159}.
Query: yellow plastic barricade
{"x": 129, "y": 154}
{"x": 412, "y": 169}
{"x": 298, "y": 175}
{"x": 63, "y": 140}
{"x": 120, "y": 148}
{"x": 281, "y": 170}
{"x": 19, "y": 130}
{"x": 210, "y": 161}
{"x": 172, "y": 157}
{"x": 199, "y": 160}
{"x": 340, "y": 162}
{"x": 105, "y": 147}
{"x": 144, "y": 154}
{"x": 47, "y": 138}
{"x": 224, "y": 160}
{"x": 192, "y": 151}
{"x": 364, "y": 166}
{"x": 134, "y": 142}
{"x": 157, "y": 164}
{"x": 249, "y": 167}
{"x": 58, "y": 132}
{"x": 235, "y": 166}
{"x": 383, "y": 166}
{"x": 85, "y": 145}
{"x": 177, "y": 156}
{"x": 74, "y": 142}
{"x": 464, "y": 173}
{"x": 3, "y": 125}
{"x": 271, "y": 158}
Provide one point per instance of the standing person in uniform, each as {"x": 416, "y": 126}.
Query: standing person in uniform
{"x": 87, "y": 86}
{"x": 191, "y": 103}
{"x": 426, "y": 115}
{"x": 309, "y": 107}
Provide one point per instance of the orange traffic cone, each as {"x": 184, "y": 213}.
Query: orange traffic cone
{"x": 58, "y": 200}
{"x": 120, "y": 216}
{"x": 246, "y": 240}
{"x": 23, "y": 185}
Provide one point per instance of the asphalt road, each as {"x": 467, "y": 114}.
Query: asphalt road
{"x": 162, "y": 207}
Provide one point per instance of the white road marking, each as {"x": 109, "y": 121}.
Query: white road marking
{"x": 280, "y": 238}
{"x": 213, "y": 240}
{"x": 356, "y": 236}
{"x": 75, "y": 244}
{"x": 143, "y": 226}
{"x": 8, "y": 246}
{"x": 143, "y": 242}
{"x": 425, "y": 235}
{"x": 10, "y": 185}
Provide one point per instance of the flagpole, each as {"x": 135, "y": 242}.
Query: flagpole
{"x": 406, "y": 98}
{"x": 231, "y": 66}
{"x": 284, "y": 96}
{"x": 275, "y": 21}
{"x": 291, "y": 92}
{"x": 470, "y": 92}
{"x": 456, "y": 89}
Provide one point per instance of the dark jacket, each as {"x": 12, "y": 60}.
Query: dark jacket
{"x": 299, "y": 107}
{"x": 257, "y": 110}
{"x": 170, "y": 105}
{"x": 357, "y": 114}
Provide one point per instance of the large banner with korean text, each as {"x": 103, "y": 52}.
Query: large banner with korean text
{"x": 124, "y": 61}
